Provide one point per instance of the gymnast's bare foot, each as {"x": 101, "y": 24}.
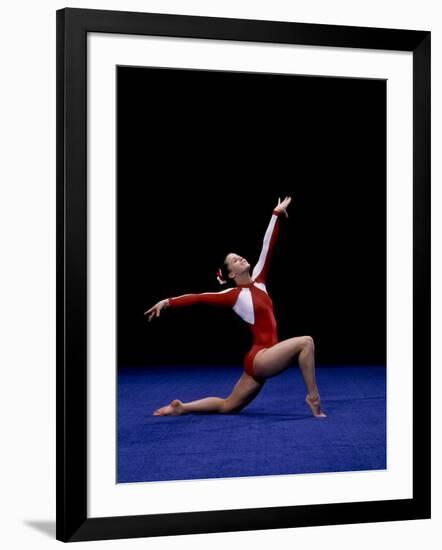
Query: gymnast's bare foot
{"x": 174, "y": 408}
{"x": 315, "y": 406}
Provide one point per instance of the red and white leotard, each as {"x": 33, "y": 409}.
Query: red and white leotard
{"x": 250, "y": 301}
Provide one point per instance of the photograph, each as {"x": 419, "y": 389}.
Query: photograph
{"x": 243, "y": 274}
{"x": 222, "y": 283}
{"x": 251, "y": 274}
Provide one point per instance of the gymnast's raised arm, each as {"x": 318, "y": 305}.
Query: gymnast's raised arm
{"x": 260, "y": 270}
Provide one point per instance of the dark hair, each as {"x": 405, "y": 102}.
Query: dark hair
{"x": 223, "y": 272}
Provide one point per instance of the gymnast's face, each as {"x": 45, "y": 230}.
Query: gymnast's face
{"x": 236, "y": 265}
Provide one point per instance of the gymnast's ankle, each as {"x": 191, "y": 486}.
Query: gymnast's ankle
{"x": 313, "y": 396}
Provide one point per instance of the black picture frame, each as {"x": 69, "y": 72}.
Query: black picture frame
{"x": 73, "y": 523}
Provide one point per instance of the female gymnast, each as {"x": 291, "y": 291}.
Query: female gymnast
{"x": 267, "y": 357}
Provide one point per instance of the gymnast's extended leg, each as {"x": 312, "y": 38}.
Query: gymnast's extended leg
{"x": 245, "y": 390}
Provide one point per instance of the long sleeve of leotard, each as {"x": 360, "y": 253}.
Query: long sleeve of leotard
{"x": 261, "y": 268}
{"x": 226, "y": 298}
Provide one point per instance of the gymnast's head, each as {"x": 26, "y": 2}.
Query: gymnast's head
{"x": 233, "y": 266}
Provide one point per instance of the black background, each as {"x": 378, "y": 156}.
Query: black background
{"x": 202, "y": 157}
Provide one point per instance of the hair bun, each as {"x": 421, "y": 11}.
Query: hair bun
{"x": 220, "y": 278}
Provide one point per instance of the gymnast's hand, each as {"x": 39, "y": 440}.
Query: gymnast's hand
{"x": 154, "y": 311}
{"x": 282, "y": 206}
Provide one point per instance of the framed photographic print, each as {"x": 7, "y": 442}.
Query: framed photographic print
{"x": 243, "y": 274}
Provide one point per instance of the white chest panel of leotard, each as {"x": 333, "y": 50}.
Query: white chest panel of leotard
{"x": 244, "y": 306}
